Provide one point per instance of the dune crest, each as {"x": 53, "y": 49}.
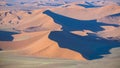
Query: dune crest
{"x": 38, "y": 45}
{"x": 88, "y": 13}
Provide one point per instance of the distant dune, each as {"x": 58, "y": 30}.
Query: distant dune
{"x": 89, "y": 13}
{"x": 23, "y": 20}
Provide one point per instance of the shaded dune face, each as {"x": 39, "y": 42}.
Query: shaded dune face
{"x": 70, "y": 24}
{"x": 90, "y": 46}
{"x": 89, "y": 5}
{"x": 6, "y": 36}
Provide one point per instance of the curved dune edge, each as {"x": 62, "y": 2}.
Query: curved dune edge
{"x": 39, "y": 46}
{"x": 87, "y": 13}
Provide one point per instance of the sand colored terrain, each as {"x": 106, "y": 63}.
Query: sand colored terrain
{"x": 12, "y": 61}
{"x": 87, "y": 13}
{"x": 82, "y": 33}
{"x": 110, "y": 33}
{"x": 27, "y": 20}
{"x": 69, "y": 32}
{"x": 112, "y": 19}
{"x": 110, "y": 15}
{"x": 37, "y": 44}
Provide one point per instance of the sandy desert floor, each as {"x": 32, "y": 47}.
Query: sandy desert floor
{"x": 12, "y": 61}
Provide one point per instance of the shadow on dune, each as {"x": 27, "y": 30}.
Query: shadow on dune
{"x": 6, "y": 36}
{"x": 88, "y": 5}
{"x": 115, "y": 15}
{"x": 0, "y": 49}
{"x": 91, "y": 47}
{"x": 70, "y": 24}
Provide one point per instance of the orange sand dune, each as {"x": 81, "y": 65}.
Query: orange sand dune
{"x": 30, "y": 42}
{"x": 26, "y": 20}
{"x": 25, "y": 38}
{"x": 38, "y": 44}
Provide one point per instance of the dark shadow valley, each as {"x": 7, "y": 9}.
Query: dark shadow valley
{"x": 90, "y": 46}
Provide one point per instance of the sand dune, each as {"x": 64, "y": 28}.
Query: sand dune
{"x": 113, "y": 34}
{"x": 38, "y": 44}
{"x": 89, "y": 13}
{"x": 71, "y": 31}
{"x": 112, "y": 19}
{"x": 23, "y": 20}
{"x": 35, "y": 43}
